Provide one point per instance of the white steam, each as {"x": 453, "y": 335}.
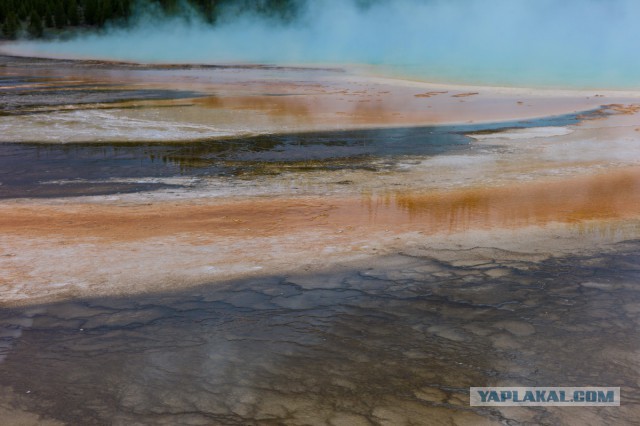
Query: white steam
{"x": 522, "y": 42}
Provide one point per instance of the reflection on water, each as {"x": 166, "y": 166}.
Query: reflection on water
{"x": 36, "y": 94}
{"x": 24, "y": 167}
{"x": 396, "y": 343}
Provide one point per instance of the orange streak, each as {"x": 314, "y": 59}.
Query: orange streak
{"x": 614, "y": 195}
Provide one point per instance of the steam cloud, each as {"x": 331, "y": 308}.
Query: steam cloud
{"x": 592, "y": 43}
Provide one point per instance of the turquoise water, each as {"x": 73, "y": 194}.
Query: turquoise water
{"x": 574, "y": 43}
{"x": 570, "y": 76}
